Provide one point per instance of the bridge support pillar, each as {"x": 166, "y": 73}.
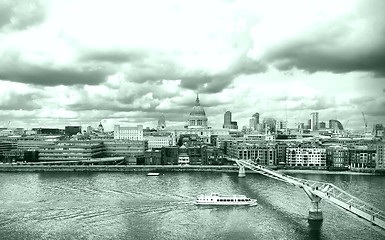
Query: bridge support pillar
{"x": 241, "y": 172}
{"x": 315, "y": 212}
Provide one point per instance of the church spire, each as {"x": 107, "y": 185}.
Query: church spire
{"x": 197, "y": 100}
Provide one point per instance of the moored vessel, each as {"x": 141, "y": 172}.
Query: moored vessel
{"x": 226, "y": 200}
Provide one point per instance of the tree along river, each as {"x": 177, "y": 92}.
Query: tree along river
{"x": 135, "y": 206}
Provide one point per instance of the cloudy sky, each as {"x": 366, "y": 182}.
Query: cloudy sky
{"x": 68, "y": 62}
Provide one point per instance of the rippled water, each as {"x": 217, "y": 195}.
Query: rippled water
{"x": 134, "y": 206}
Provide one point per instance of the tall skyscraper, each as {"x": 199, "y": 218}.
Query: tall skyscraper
{"x": 227, "y": 120}
{"x": 308, "y": 125}
{"x": 254, "y": 121}
{"x": 227, "y": 123}
{"x": 314, "y": 121}
{"x": 256, "y": 117}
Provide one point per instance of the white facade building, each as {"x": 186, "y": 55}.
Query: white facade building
{"x": 306, "y": 157}
{"x": 380, "y": 156}
{"x": 159, "y": 141}
{"x": 129, "y": 133}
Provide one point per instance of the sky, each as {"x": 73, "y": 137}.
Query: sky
{"x": 81, "y": 62}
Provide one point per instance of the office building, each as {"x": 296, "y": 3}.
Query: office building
{"x": 314, "y": 121}
{"x": 306, "y": 156}
{"x": 227, "y": 120}
{"x": 153, "y": 157}
{"x": 128, "y": 133}
{"x": 124, "y": 148}
{"x": 263, "y": 154}
{"x": 362, "y": 157}
{"x": 380, "y": 155}
{"x": 335, "y": 125}
{"x": 71, "y": 151}
{"x": 72, "y": 130}
{"x": 158, "y": 141}
{"x": 337, "y": 156}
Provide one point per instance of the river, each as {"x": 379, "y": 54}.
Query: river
{"x": 81, "y": 205}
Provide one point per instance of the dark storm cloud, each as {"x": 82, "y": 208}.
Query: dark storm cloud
{"x": 114, "y": 107}
{"x": 376, "y": 109}
{"x": 214, "y": 83}
{"x": 207, "y": 83}
{"x": 362, "y": 100}
{"x": 113, "y": 56}
{"x": 371, "y": 106}
{"x": 5, "y": 13}
{"x": 352, "y": 43}
{"x": 16, "y": 101}
{"x": 315, "y": 59}
{"x": 141, "y": 67}
{"x": 19, "y": 14}
{"x": 45, "y": 76}
{"x": 315, "y": 104}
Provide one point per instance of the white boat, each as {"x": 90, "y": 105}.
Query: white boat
{"x": 226, "y": 200}
{"x": 152, "y": 174}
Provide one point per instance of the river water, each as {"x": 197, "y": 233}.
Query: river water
{"x": 135, "y": 206}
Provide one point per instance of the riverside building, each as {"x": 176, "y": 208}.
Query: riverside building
{"x": 125, "y": 148}
{"x": 380, "y": 155}
{"x": 362, "y": 157}
{"x": 337, "y": 156}
{"x": 153, "y": 157}
{"x": 306, "y": 156}
{"x": 71, "y": 151}
{"x": 263, "y": 154}
{"x": 33, "y": 145}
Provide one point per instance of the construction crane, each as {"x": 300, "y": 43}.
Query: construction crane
{"x": 366, "y": 123}
{"x": 346, "y": 124}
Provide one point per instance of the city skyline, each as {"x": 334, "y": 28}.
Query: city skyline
{"x": 120, "y": 62}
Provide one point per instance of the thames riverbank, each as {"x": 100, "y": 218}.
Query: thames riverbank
{"x": 116, "y": 168}
{"x": 307, "y": 171}
{"x": 163, "y": 168}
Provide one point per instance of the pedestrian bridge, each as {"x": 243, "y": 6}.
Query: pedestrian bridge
{"x": 316, "y": 191}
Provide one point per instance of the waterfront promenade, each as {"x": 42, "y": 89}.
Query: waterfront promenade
{"x": 164, "y": 168}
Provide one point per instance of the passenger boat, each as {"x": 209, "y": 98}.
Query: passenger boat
{"x": 153, "y": 174}
{"x": 226, "y": 200}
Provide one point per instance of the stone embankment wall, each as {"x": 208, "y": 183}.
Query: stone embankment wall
{"x": 116, "y": 168}
{"x": 368, "y": 170}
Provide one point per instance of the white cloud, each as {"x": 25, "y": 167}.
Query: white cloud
{"x": 154, "y": 56}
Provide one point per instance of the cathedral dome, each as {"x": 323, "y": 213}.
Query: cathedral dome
{"x": 198, "y": 110}
{"x": 197, "y": 118}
